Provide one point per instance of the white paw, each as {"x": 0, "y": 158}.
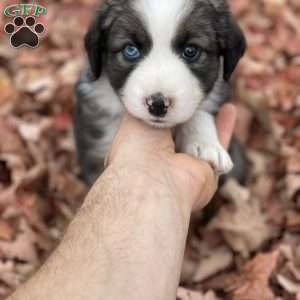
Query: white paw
{"x": 213, "y": 153}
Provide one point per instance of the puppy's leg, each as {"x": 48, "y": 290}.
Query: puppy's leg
{"x": 199, "y": 138}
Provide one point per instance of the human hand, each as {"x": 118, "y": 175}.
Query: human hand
{"x": 151, "y": 153}
{"x": 131, "y": 230}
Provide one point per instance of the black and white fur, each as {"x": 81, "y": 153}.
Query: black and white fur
{"x": 192, "y": 92}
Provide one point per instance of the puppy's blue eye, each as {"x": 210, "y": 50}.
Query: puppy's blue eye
{"x": 191, "y": 53}
{"x": 131, "y": 53}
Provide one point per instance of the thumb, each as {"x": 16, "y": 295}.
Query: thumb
{"x": 225, "y": 123}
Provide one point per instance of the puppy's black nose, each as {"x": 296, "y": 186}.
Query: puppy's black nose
{"x": 157, "y": 105}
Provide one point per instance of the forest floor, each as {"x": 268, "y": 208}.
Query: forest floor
{"x": 247, "y": 247}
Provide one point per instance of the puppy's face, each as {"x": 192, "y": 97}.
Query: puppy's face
{"x": 161, "y": 57}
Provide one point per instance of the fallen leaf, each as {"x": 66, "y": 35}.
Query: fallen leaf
{"x": 22, "y": 247}
{"x": 242, "y": 222}
{"x": 293, "y": 220}
{"x": 218, "y": 260}
{"x": 254, "y": 280}
{"x": 288, "y": 285}
{"x": 184, "y": 294}
{"x": 6, "y": 231}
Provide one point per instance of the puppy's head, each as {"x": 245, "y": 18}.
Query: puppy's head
{"x": 163, "y": 57}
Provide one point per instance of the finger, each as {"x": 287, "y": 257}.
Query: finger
{"x": 202, "y": 180}
{"x": 225, "y": 123}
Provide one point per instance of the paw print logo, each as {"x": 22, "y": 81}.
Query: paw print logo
{"x": 24, "y": 32}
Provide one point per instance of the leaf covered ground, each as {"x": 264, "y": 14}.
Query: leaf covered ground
{"x": 246, "y": 245}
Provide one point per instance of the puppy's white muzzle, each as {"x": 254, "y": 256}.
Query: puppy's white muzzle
{"x": 162, "y": 88}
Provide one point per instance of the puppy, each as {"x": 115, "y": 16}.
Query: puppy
{"x": 166, "y": 62}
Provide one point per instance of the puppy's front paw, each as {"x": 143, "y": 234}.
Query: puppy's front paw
{"x": 213, "y": 153}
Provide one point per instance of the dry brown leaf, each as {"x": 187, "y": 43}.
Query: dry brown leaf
{"x": 6, "y": 231}
{"x": 184, "y": 294}
{"x": 292, "y": 185}
{"x": 242, "y": 222}
{"x": 32, "y": 132}
{"x": 7, "y": 196}
{"x": 11, "y": 279}
{"x": 9, "y": 134}
{"x": 7, "y": 91}
{"x": 273, "y": 7}
{"x": 293, "y": 220}
{"x": 218, "y": 260}
{"x": 254, "y": 280}
{"x": 22, "y": 247}
{"x": 68, "y": 74}
{"x": 259, "y": 163}
{"x": 293, "y": 164}
{"x": 38, "y": 169}
{"x": 288, "y": 285}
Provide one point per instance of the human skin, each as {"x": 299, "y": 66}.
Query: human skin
{"x": 128, "y": 238}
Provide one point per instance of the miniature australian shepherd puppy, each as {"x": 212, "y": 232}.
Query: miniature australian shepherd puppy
{"x": 166, "y": 62}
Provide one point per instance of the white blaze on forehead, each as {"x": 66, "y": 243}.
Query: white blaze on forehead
{"x": 163, "y": 17}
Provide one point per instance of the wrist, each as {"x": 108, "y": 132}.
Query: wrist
{"x": 135, "y": 222}
{"x": 135, "y": 184}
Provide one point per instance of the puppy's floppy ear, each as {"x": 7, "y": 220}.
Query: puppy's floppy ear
{"x": 93, "y": 46}
{"x": 95, "y": 39}
{"x": 231, "y": 38}
{"x": 233, "y": 49}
